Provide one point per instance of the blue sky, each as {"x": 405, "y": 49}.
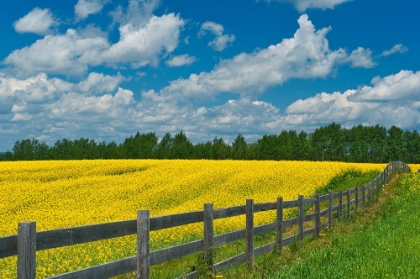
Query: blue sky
{"x": 105, "y": 69}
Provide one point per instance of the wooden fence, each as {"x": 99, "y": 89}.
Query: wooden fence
{"x": 339, "y": 204}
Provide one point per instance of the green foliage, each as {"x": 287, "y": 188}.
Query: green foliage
{"x": 346, "y": 180}
{"x": 370, "y": 144}
{"x": 202, "y": 265}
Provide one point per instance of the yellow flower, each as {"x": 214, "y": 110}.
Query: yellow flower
{"x": 60, "y": 194}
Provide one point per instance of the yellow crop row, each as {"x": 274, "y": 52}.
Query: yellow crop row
{"x": 59, "y": 194}
{"x": 414, "y": 167}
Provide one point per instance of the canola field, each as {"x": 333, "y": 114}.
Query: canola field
{"x": 60, "y": 194}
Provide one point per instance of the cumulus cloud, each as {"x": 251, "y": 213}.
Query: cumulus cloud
{"x": 303, "y": 5}
{"x": 37, "y": 21}
{"x": 137, "y": 13}
{"x": 404, "y": 85}
{"x": 99, "y": 83}
{"x": 180, "y": 60}
{"x": 170, "y": 113}
{"x": 361, "y": 57}
{"x": 55, "y": 108}
{"x": 68, "y": 54}
{"x": 143, "y": 45}
{"x": 397, "y": 48}
{"x": 36, "y": 89}
{"x": 305, "y": 55}
{"x": 84, "y": 8}
{"x": 242, "y": 116}
{"x": 391, "y": 100}
{"x": 222, "y": 40}
{"x": 73, "y": 52}
{"x": 99, "y": 109}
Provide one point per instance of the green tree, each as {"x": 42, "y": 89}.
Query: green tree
{"x": 284, "y": 146}
{"x": 24, "y": 149}
{"x": 412, "y": 140}
{"x": 252, "y": 151}
{"x": 239, "y": 148}
{"x": 396, "y": 148}
{"x": 29, "y": 149}
{"x": 164, "y": 147}
{"x": 328, "y": 143}
{"x": 220, "y": 149}
{"x": 377, "y": 143}
{"x": 182, "y": 148}
{"x": 62, "y": 149}
{"x": 302, "y": 148}
{"x": 203, "y": 151}
{"x": 268, "y": 148}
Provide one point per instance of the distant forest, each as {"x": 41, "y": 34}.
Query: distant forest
{"x": 373, "y": 144}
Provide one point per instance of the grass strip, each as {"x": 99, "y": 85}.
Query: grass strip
{"x": 381, "y": 241}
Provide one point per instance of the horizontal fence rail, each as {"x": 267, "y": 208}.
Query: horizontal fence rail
{"x": 330, "y": 207}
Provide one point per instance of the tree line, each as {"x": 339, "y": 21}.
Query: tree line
{"x": 364, "y": 144}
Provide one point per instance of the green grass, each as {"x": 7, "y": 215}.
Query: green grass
{"x": 348, "y": 179}
{"x": 381, "y": 241}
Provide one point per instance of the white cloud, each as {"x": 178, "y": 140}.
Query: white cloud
{"x": 303, "y": 5}
{"x": 170, "y": 113}
{"x": 55, "y": 109}
{"x": 143, "y": 45}
{"x": 99, "y": 83}
{"x": 36, "y": 89}
{"x": 361, "y": 57}
{"x": 404, "y": 85}
{"x": 397, "y": 48}
{"x": 241, "y": 116}
{"x": 73, "y": 52}
{"x": 391, "y": 100}
{"x": 222, "y": 40}
{"x": 98, "y": 109}
{"x": 68, "y": 54}
{"x": 305, "y": 55}
{"x": 37, "y": 21}
{"x": 84, "y": 8}
{"x": 180, "y": 60}
{"x": 91, "y": 31}
{"x": 137, "y": 13}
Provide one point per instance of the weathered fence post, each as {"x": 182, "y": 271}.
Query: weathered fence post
{"x": 369, "y": 195}
{"x": 143, "y": 244}
{"x": 363, "y": 195}
{"x": 317, "y": 215}
{"x": 330, "y": 209}
{"x": 279, "y": 224}
{"x": 372, "y": 193}
{"x": 26, "y": 268}
{"x": 208, "y": 235}
{"x": 340, "y": 204}
{"x": 372, "y": 185}
{"x": 383, "y": 177}
{"x": 348, "y": 202}
{"x": 301, "y": 214}
{"x": 249, "y": 254}
{"x": 356, "y": 196}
